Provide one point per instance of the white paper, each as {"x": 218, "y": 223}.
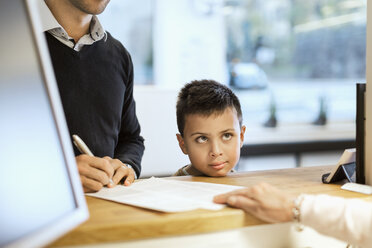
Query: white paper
{"x": 167, "y": 195}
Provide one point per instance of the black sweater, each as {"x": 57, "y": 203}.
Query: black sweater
{"x": 96, "y": 89}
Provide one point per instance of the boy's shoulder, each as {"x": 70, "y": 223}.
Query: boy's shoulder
{"x": 188, "y": 170}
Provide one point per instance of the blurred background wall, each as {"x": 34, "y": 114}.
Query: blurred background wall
{"x": 292, "y": 61}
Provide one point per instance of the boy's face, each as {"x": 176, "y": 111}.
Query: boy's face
{"x": 213, "y": 142}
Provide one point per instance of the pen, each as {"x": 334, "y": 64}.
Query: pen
{"x": 83, "y": 148}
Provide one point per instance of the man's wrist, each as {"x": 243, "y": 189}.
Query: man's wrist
{"x": 131, "y": 167}
{"x": 296, "y": 210}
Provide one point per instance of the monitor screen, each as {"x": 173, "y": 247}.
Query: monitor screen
{"x": 40, "y": 192}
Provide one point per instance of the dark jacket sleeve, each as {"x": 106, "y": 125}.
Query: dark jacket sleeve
{"x": 130, "y": 145}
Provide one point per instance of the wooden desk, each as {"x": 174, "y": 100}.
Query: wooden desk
{"x": 110, "y": 222}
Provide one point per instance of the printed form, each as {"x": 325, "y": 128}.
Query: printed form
{"x": 167, "y": 195}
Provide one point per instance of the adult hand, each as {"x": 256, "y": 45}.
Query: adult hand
{"x": 121, "y": 172}
{"x": 94, "y": 172}
{"x": 263, "y": 201}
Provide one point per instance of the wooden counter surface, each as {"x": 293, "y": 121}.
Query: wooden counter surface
{"x": 111, "y": 222}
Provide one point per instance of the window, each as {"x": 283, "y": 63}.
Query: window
{"x": 131, "y": 22}
{"x": 307, "y": 54}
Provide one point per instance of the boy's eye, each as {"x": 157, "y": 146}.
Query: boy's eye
{"x": 227, "y": 136}
{"x": 201, "y": 139}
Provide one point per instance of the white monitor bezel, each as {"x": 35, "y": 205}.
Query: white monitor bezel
{"x": 56, "y": 229}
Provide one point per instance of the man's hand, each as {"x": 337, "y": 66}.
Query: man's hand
{"x": 94, "y": 172}
{"x": 263, "y": 201}
{"x": 121, "y": 172}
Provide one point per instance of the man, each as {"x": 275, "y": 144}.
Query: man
{"x": 94, "y": 73}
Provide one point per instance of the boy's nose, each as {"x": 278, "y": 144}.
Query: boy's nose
{"x": 215, "y": 150}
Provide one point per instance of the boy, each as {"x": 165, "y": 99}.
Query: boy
{"x": 209, "y": 120}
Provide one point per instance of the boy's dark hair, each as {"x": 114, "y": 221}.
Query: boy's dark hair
{"x": 205, "y": 97}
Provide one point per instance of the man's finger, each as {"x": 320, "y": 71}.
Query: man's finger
{"x": 119, "y": 174}
{"x": 223, "y": 197}
{"x": 242, "y": 202}
{"x": 124, "y": 172}
{"x": 102, "y": 164}
{"x": 98, "y": 163}
{"x": 90, "y": 185}
{"x": 220, "y": 198}
{"x": 94, "y": 174}
{"x": 130, "y": 178}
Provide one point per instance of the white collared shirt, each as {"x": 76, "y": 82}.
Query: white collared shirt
{"x": 51, "y": 25}
{"x": 345, "y": 219}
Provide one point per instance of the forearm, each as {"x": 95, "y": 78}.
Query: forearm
{"x": 130, "y": 145}
{"x": 346, "y": 219}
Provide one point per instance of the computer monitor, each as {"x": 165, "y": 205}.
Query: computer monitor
{"x": 41, "y": 196}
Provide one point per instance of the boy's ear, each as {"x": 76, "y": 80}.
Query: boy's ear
{"x": 242, "y": 132}
{"x": 181, "y": 143}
